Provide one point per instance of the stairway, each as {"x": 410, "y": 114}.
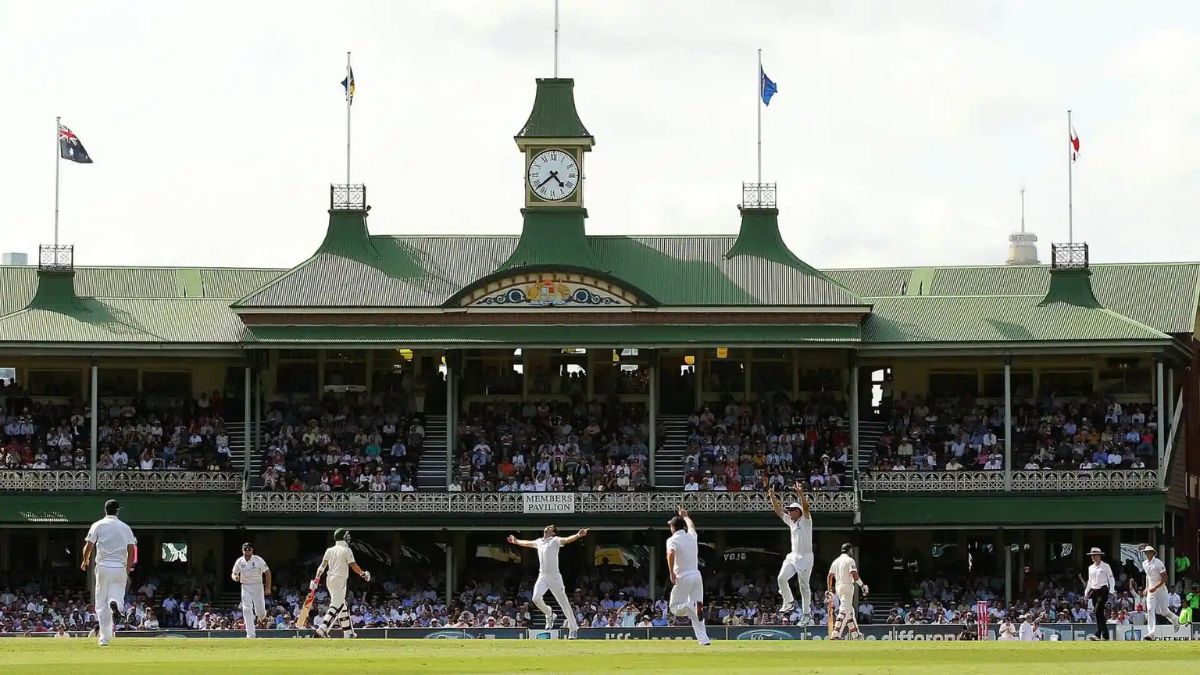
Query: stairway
{"x": 883, "y": 604}
{"x": 431, "y": 472}
{"x": 869, "y": 433}
{"x": 237, "y": 451}
{"x": 668, "y": 460}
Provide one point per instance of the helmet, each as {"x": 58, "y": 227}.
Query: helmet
{"x": 847, "y": 547}
{"x": 341, "y": 534}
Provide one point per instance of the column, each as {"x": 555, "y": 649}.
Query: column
{"x": 452, "y": 416}
{"x": 1171, "y": 395}
{"x": 795, "y": 375}
{"x": 1008, "y": 569}
{"x": 854, "y": 415}
{"x": 449, "y": 573}
{"x": 652, "y": 410}
{"x": 699, "y": 379}
{"x": 1008, "y": 467}
{"x": 747, "y": 381}
{"x": 247, "y": 427}
{"x": 1159, "y": 436}
{"x": 653, "y": 563}
{"x": 524, "y": 375}
{"x": 591, "y": 374}
{"x": 95, "y": 442}
{"x": 256, "y": 390}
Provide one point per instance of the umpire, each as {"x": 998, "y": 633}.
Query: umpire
{"x": 1100, "y": 585}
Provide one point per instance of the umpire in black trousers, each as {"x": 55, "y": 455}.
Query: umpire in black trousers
{"x": 1100, "y": 585}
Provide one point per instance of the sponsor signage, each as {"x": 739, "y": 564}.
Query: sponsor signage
{"x": 549, "y": 502}
{"x": 904, "y": 633}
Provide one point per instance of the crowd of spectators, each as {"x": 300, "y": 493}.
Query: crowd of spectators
{"x": 965, "y": 434}
{"x": 133, "y": 434}
{"x": 743, "y": 446}
{"x": 553, "y": 446}
{"x": 356, "y": 443}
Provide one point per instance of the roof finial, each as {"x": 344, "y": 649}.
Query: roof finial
{"x": 1022, "y": 209}
{"x": 556, "y": 39}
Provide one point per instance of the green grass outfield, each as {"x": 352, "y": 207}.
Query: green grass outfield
{"x": 352, "y": 657}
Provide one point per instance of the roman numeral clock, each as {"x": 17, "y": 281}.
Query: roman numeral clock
{"x": 553, "y": 176}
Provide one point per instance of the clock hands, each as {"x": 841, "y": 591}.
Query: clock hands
{"x": 554, "y": 175}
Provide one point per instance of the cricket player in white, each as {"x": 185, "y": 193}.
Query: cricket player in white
{"x": 116, "y": 553}
{"x": 549, "y": 578}
{"x": 252, "y": 573}
{"x": 683, "y": 559}
{"x": 799, "y": 562}
{"x": 842, "y": 578}
{"x": 338, "y": 561}
{"x": 1156, "y": 592}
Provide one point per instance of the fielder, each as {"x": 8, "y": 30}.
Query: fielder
{"x": 253, "y": 574}
{"x": 116, "y": 554}
{"x": 338, "y": 561}
{"x": 683, "y": 559}
{"x": 841, "y": 580}
{"x": 799, "y": 562}
{"x": 1156, "y": 592}
{"x": 549, "y": 578}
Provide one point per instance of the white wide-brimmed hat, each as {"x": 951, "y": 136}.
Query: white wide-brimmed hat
{"x": 1149, "y": 549}
{"x": 795, "y": 505}
{"x": 1095, "y": 551}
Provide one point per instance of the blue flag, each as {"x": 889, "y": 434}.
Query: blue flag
{"x": 766, "y": 87}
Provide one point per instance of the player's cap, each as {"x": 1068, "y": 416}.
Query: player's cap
{"x": 247, "y": 546}
{"x": 847, "y": 547}
{"x": 1095, "y": 551}
{"x": 1149, "y": 549}
{"x": 795, "y": 505}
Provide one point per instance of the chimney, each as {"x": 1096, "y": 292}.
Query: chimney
{"x": 1022, "y": 246}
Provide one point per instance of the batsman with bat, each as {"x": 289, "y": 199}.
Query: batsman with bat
{"x": 338, "y": 562}
{"x": 842, "y": 578}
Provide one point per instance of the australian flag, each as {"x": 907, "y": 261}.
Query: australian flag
{"x": 70, "y": 148}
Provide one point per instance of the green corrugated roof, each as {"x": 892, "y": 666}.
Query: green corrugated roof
{"x": 126, "y": 321}
{"x": 924, "y": 319}
{"x": 556, "y": 335}
{"x": 1161, "y": 295}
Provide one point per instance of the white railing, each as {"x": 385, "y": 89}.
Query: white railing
{"x": 1022, "y": 481}
{"x": 120, "y": 481}
{"x": 470, "y": 502}
{"x": 44, "y": 481}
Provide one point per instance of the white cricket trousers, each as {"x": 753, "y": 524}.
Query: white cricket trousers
{"x": 686, "y": 594}
{"x": 337, "y": 591}
{"x": 796, "y": 566}
{"x": 845, "y": 596}
{"x": 254, "y": 607}
{"x": 554, "y": 584}
{"x": 1156, "y": 603}
{"x": 110, "y": 586}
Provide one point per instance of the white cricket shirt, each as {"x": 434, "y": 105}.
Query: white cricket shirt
{"x": 1100, "y": 576}
{"x": 801, "y": 534}
{"x": 841, "y": 568}
{"x": 547, "y": 548}
{"x": 251, "y": 571}
{"x": 111, "y": 537}
{"x": 1154, "y": 569}
{"x": 337, "y": 560}
{"x": 686, "y": 546}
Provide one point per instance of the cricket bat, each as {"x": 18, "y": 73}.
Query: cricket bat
{"x": 829, "y": 615}
{"x": 302, "y": 620}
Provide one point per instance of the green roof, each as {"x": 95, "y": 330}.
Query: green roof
{"x": 1164, "y": 296}
{"x": 557, "y": 335}
{"x": 554, "y": 114}
{"x": 977, "y": 319}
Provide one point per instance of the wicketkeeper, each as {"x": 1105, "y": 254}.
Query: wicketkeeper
{"x": 338, "y": 561}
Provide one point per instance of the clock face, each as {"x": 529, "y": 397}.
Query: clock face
{"x": 553, "y": 175}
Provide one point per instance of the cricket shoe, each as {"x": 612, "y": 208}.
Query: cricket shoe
{"x": 1093, "y": 638}
{"x": 550, "y": 620}
{"x": 706, "y": 643}
{"x": 349, "y": 634}
{"x": 804, "y": 620}
{"x": 118, "y": 615}
{"x": 573, "y": 634}
{"x": 787, "y": 607}
{"x": 320, "y": 633}
{"x": 1149, "y": 637}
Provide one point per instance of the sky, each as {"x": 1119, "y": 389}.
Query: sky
{"x": 901, "y": 133}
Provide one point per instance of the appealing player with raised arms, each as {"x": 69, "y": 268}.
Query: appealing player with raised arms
{"x": 683, "y": 559}
{"x": 799, "y": 562}
{"x": 549, "y": 578}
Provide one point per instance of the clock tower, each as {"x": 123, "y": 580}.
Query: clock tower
{"x": 553, "y": 143}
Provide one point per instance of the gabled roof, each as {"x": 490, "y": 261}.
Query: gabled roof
{"x": 673, "y": 270}
{"x": 1163, "y": 296}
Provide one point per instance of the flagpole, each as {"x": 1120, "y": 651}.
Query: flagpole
{"x": 348, "y": 99}
{"x": 556, "y": 39}
{"x": 57, "y": 166}
{"x": 758, "y": 83}
{"x": 1070, "y": 180}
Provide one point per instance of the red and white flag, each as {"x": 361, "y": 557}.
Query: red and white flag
{"x": 1074, "y": 145}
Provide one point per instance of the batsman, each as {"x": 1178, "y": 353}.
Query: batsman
{"x": 842, "y": 578}
{"x": 338, "y": 561}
